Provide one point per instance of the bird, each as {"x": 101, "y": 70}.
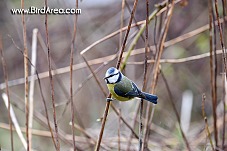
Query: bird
{"x": 124, "y": 89}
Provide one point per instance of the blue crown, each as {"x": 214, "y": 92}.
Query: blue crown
{"x": 111, "y": 70}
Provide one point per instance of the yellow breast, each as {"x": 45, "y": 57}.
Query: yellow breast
{"x": 114, "y": 95}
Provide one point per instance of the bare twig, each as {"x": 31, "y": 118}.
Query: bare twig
{"x": 205, "y": 120}
{"x": 71, "y": 77}
{"x": 144, "y": 77}
{"x": 26, "y": 76}
{"x": 51, "y": 81}
{"x": 221, "y": 37}
{"x": 109, "y": 36}
{"x": 225, "y": 68}
{"x": 224, "y": 109}
{"x": 225, "y": 87}
{"x": 211, "y": 68}
{"x": 5, "y": 72}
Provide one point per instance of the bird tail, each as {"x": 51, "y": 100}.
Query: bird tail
{"x": 149, "y": 97}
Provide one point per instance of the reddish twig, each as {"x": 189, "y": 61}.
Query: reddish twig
{"x": 211, "y": 69}
{"x": 144, "y": 77}
{"x": 225, "y": 68}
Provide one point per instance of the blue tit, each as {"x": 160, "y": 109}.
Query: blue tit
{"x": 123, "y": 89}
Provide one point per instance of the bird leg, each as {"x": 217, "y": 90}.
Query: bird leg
{"x": 109, "y": 99}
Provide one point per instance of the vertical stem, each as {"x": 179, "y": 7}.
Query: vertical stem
{"x": 221, "y": 38}
{"x": 224, "y": 83}
{"x": 224, "y": 112}
{"x": 51, "y": 81}
{"x": 32, "y": 83}
{"x": 7, "y": 92}
{"x": 71, "y": 77}
{"x": 103, "y": 123}
{"x": 144, "y": 77}
{"x": 26, "y": 76}
{"x": 224, "y": 64}
{"x": 205, "y": 119}
{"x": 211, "y": 66}
{"x": 126, "y": 35}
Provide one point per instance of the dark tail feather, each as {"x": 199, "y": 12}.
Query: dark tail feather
{"x": 149, "y": 97}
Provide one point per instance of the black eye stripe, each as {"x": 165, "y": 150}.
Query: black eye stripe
{"x": 112, "y": 75}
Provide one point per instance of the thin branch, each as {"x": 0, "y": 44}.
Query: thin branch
{"x": 225, "y": 70}
{"x": 221, "y": 38}
{"x": 26, "y": 76}
{"x": 205, "y": 120}
{"x": 211, "y": 68}
{"x": 109, "y": 36}
{"x": 71, "y": 77}
{"x": 5, "y": 72}
{"x": 224, "y": 109}
{"x": 51, "y": 81}
{"x": 144, "y": 77}
{"x": 224, "y": 83}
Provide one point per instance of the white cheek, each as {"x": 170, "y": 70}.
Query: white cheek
{"x": 113, "y": 79}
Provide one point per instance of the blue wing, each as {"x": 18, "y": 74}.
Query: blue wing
{"x": 130, "y": 90}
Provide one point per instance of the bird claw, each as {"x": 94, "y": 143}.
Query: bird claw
{"x": 109, "y": 99}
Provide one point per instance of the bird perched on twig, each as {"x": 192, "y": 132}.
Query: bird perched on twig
{"x": 123, "y": 89}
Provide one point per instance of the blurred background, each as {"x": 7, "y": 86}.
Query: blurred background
{"x": 188, "y": 77}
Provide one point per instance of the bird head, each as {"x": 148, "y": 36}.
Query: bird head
{"x": 112, "y": 75}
